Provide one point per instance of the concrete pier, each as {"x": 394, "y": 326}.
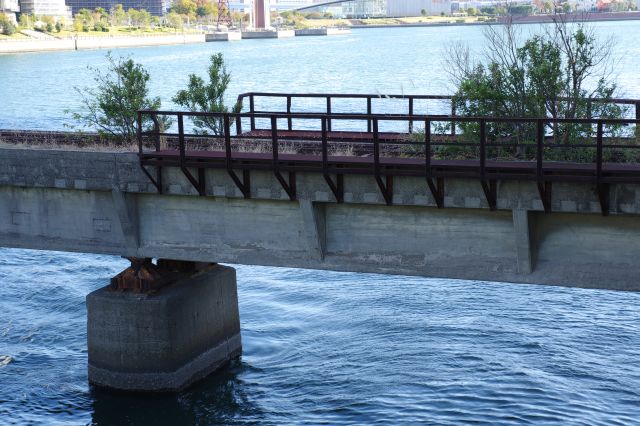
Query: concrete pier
{"x": 303, "y": 32}
{"x": 163, "y": 341}
{"x": 268, "y": 34}
{"x": 223, "y": 36}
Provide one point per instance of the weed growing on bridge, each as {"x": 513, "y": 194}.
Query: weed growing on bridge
{"x": 111, "y": 105}
{"x": 208, "y": 97}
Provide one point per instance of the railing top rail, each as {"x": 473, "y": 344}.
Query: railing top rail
{"x": 393, "y": 117}
{"x": 627, "y": 101}
{"x": 341, "y": 95}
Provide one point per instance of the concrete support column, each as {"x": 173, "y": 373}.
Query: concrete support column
{"x": 523, "y": 240}
{"x": 166, "y": 340}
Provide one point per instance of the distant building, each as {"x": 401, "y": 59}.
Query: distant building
{"x": 383, "y": 8}
{"x": 400, "y": 8}
{"x": 10, "y": 8}
{"x": 56, "y": 8}
{"x": 154, "y": 7}
{"x": 585, "y": 5}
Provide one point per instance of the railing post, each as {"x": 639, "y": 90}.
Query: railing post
{"x": 453, "y": 123}
{"x": 539, "y": 148}
{"x": 427, "y": 147}
{"x": 274, "y": 142}
{"x": 238, "y": 125}
{"x": 483, "y": 141}
{"x": 637, "y": 105}
{"x": 411, "y": 114}
{"x": 325, "y": 149}
{"x": 599, "y": 153}
{"x": 289, "y": 120}
{"x": 181, "y": 143}
{"x": 227, "y": 140}
{"x": 369, "y": 113}
{"x": 376, "y": 148}
{"x": 252, "y": 111}
{"x": 139, "y": 132}
{"x": 329, "y": 112}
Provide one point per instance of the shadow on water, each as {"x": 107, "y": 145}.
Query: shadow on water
{"x": 218, "y": 399}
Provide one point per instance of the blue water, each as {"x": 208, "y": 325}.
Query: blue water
{"x": 321, "y": 347}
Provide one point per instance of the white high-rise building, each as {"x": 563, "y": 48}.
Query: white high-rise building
{"x": 9, "y": 8}
{"x": 56, "y": 8}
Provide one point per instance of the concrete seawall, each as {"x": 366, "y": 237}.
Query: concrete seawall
{"x": 82, "y": 43}
{"x": 101, "y": 202}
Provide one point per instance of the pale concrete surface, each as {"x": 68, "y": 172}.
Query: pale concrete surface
{"x": 101, "y": 202}
{"x": 166, "y": 340}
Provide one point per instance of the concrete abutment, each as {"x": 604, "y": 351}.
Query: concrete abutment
{"x": 165, "y": 340}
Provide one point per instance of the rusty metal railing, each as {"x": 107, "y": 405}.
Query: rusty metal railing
{"x": 541, "y": 150}
{"x": 411, "y": 101}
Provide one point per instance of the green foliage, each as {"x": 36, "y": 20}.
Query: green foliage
{"x": 25, "y": 21}
{"x": 111, "y": 105}
{"x": 174, "y": 20}
{"x": 208, "y": 97}
{"x": 6, "y": 26}
{"x": 184, "y": 7}
{"x": 520, "y": 9}
{"x": 118, "y": 16}
{"x": 549, "y": 75}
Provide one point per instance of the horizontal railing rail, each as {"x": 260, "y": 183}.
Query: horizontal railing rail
{"x": 410, "y": 106}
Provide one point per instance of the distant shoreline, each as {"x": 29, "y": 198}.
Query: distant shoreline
{"x": 83, "y": 43}
{"x": 531, "y": 19}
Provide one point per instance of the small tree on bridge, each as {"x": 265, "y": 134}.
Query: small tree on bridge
{"x": 111, "y": 105}
{"x": 208, "y": 97}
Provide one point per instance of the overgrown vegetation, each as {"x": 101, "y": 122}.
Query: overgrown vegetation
{"x": 111, "y": 105}
{"x": 564, "y": 72}
{"x": 6, "y": 26}
{"x": 201, "y": 96}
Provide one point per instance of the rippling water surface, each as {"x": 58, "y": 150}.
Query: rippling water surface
{"x": 322, "y": 347}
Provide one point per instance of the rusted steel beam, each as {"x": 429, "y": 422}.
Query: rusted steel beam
{"x": 143, "y": 276}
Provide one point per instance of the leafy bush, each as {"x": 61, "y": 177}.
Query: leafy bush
{"x": 208, "y": 97}
{"x": 544, "y": 76}
{"x": 7, "y": 27}
{"x": 111, "y": 105}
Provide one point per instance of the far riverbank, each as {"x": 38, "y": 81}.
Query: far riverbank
{"x": 22, "y": 45}
{"x": 84, "y": 43}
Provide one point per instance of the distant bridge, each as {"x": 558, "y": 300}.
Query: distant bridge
{"x": 327, "y": 3}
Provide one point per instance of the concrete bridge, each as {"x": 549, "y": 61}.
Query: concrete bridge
{"x": 100, "y": 202}
{"x": 194, "y": 208}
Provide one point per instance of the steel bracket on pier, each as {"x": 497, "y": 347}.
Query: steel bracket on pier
{"x": 544, "y": 189}
{"x": 386, "y": 188}
{"x": 603, "y": 197}
{"x": 143, "y": 276}
{"x": 157, "y": 181}
{"x": 290, "y": 186}
{"x": 336, "y": 187}
{"x": 490, "y": 192}
{"x": 243, "y": 185}
{"x": 437, "y": 191}
{"x": 199, "y": 183}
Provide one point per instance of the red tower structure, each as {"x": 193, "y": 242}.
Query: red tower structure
{"x": 224, "y": 14}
